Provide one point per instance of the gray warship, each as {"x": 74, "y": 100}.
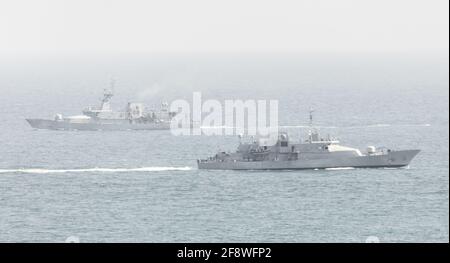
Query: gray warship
{"x": 134, "y": 117}
{"x": 313, "y": 153}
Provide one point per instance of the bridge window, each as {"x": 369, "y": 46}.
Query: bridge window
{"x": 284, "y": 144}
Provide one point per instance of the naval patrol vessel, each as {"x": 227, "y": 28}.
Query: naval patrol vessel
{"x": 313, "y": 153}
{"x": 135, "y": 117}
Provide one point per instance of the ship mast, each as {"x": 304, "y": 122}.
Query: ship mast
{"x": 107, "y": 95}
{"x": 310, "y": 133}
{"x": 311, "y": 110}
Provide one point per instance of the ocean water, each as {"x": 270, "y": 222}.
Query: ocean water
{"x": 143, "y": 186}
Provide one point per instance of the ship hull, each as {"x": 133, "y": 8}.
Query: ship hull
{"x": 391, "y": 159}
{"x": 95, "y": 126}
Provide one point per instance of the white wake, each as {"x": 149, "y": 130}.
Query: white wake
{"x": 339, "y": 168}
{"x": 90, "y": 170}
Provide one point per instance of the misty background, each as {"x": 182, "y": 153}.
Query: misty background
{"x": 164, "y": 50}
{"x": 55, "y": 27}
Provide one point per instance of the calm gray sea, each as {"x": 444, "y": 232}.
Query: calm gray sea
{"x": 143, "y": 186}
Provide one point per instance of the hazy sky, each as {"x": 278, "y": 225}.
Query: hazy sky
{"x": 63, "y": 26}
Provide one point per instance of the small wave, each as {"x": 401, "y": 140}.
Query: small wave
{"x": 379, "y": 125}
{"x": 89, "y": 170}
{"x": 339, "y": 168}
